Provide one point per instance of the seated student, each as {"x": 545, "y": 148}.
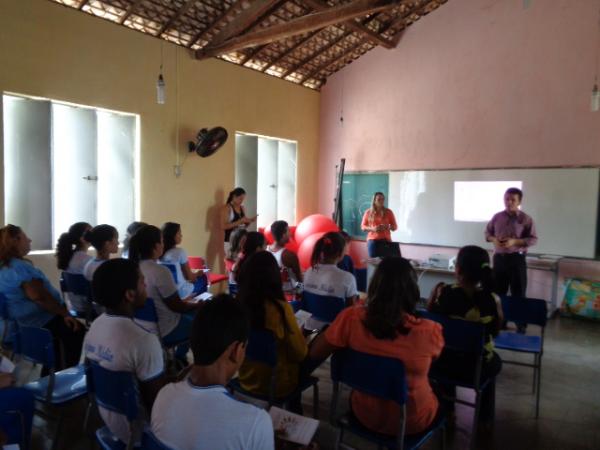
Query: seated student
{"x": 146, "y": 246}
{"x": 172, "y": 237}
{"x": 131, "y": 229}
{"x": 32, "y": 300}
{"x": 71, "y": 257}
{"x": 387, "y": 326}
{"x": 71, "y": 248}
{"x": 237, "y": 239}
{"x": 254, "y": 243}
{"x": 286, "y": 260}
{"x": 324, "y": 277}
{"x": 117, "y": 343}
{"x": 198, "y": 413}
{"x": 105, "y": 239}
{"x": 260, "y": 291}
{"x": 346, "y": 263}
{"x": 473, "y": 299}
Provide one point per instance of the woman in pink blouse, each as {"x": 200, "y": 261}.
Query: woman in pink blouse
{"x": 379, "y": 222}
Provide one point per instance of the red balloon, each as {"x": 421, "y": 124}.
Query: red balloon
{"x": 306, "y": 248}
{"x": 293, "y": 232}
{"x": 315, "y": 223}
{"x": 268, "y": 236}
{"x": 292, "y": 246}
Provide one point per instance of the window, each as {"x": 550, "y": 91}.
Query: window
{"x": 65, "y": 164}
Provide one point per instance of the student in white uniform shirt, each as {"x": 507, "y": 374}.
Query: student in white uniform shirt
{"x": 198, "y": 413}
{"x": 177, "y": 256}
{"x": 286, "y": 259}
{"x": 72, "y": 256}
{"x": 117, "y": 343}
{"x": 105, "y": 239}
{"x": 324, "y": 277}
{"x": 175, "y": 315}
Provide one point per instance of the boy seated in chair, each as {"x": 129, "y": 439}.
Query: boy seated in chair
{"x": 198, "y": 412}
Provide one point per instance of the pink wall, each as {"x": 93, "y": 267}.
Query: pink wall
{"x": 475, "y": 84}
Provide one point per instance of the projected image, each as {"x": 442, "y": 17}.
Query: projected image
{"x": 478, "y": 201}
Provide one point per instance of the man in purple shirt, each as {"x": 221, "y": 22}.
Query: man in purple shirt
{"x": 512, "y": 232}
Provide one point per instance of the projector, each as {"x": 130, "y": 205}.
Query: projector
{"x": 440, "y": 261}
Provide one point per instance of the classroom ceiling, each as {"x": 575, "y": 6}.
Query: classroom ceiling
{"x": 301, "y": 41}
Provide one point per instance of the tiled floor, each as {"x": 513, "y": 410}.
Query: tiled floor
{"x": 569, "y": 410}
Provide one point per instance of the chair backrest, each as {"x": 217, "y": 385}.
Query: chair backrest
{"x": 113, "y": 390}
{"x": 322, "y": 307}
{"x": 173, "y": 268}
{"x": 525, "y": 310}
{"x": 147, "y": 312}
{"x": 262, "y": 347}
{"x": 459, "y": 335}
{"x": 7, "y": 323}
{"x": 151, "y": 442}
{"x": 36, "y": 345}
{"x": 77, "y": 284}
{"x": 374, "y": 375}
{"x": 196, "y": 262}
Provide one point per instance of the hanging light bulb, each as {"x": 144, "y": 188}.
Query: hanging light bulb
{"x": 160, "y": 88}
{"x": 595, "y": 101}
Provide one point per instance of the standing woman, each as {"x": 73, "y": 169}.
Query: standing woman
{"x": 32, "y": 300}
{"x": 378, "y": 222}
{"x": 233, "y": 214}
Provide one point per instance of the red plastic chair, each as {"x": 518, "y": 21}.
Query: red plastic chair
{"x": 197, "y": 262}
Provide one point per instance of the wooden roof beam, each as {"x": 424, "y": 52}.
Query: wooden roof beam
{"x": 292, "y": 49}
{"x": 375, "y": 38}
{"x": 132, "y": 7}
{"x": 224, "y": 15}
{"x": 297, "y": 26}
{"x": 180, "y": 12}
{"x": 82, "y": 4}
{"x": 244, "y": 20}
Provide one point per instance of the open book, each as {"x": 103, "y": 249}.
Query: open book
{"x": 293, "y": 427}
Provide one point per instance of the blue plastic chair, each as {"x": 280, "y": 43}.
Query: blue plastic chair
{"x": 117, "y": 392}
{"x": 262, "y": 348}
{"x": 58, "y": 388}
{"x": 76, "y": 284}
{"x": 323, "y": 307}
{"x": 151, "y": 442}
{"x": 527, "y": 311}
{"x": 233, "y": 288}
{"x": 172, "y": 268}
{"x": 8, "y": 325}
{"x": 200, "y": 285}
{"x": 381, "y": 377}
{"x": 468, "y": 339}
{"x": 16, "y": 415}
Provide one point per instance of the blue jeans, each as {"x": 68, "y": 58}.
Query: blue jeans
{"x": 180, "y": 333}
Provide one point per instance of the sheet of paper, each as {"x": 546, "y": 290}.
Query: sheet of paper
{"x": 203, "y": 297}
{"x": 302, "y": 316}
{"x": 11, "y": 447}
{"x": 6, "y": 365}
{"x": 292, "y": 427}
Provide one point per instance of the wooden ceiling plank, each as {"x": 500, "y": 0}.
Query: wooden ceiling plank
{"x": 180, "y": 12}
{"x": 244, "y": 20}
{"x": 224, "y": 15}
{"x": 82, "y": 4}
{"x": 292, "y": 49}
{"x": 297, "y": 26}
{"x": 376, "y": 38}
{"x": 130, "y": 10}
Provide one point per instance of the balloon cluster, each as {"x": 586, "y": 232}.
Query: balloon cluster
{"x": 304, "y": 237}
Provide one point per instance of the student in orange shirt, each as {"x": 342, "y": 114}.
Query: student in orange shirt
{"x": 378, "y": 221}
{"x": 387, "y": 326}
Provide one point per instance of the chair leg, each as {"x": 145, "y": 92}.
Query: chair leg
{"x": 56, "y": 436}
{"x": 316, "y": 401}
{"x": 443, "y": 437}
{"x": 475, "y": 420}
{"x": 339, "y": 437}
{"x": 539, "y": 381}
{"x": 535, "y": 372}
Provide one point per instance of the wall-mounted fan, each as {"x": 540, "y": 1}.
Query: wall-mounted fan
{"x": 208, "y": 141}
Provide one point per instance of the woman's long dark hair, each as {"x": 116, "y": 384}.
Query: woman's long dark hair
{"x": 259, "y": 283}
{"x": 254, "y": 241}
{"x": 392, "y": 294}
{"x": 8, "y": 248}
{"x": 234, "y": 243}
{"x": 69, "y": 242}
{"x": 131, "y": 230}
{"x": 330, "y": 246}
{"x": 99, "y": 235}
{"x": 235, "y": 193}
{"x": 169, "y": 230}
{"x": 473, "y": 265}
{"x": 142, "y": 243}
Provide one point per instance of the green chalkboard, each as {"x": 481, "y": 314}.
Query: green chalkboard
{"x": 357, "y": 194}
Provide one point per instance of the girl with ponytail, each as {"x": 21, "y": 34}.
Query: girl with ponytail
{"x": 324, "y": 277}
{"x": 71, "y": 248}
{"x": 105, "y": 239}
{"x": 233, "y": 214}
{"x": 472, "y": 298}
